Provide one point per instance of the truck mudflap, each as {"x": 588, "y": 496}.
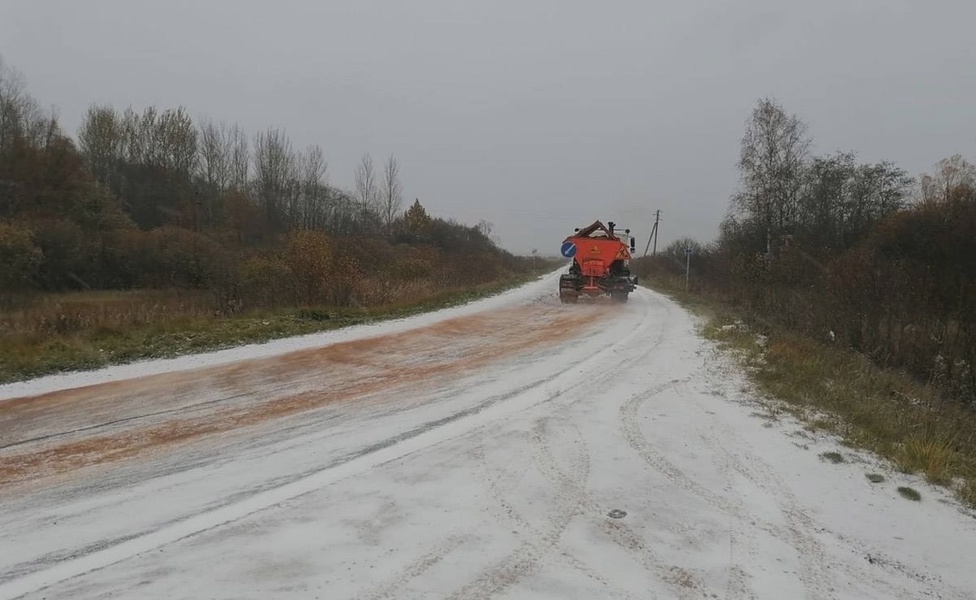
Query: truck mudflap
{"x": 573, "y": 287}
{"x": 569, "y": 288}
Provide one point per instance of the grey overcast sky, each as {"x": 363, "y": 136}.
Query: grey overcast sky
{"x": 534, "y": 115}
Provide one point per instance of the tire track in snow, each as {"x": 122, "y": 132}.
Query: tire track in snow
{"x": 804, "y": 528}
{"x": 630, "y": 428}
{"x": 892, "y": 568}
{"x": 545, "y": 459}
{"x": 740, "y": 537}
{"x": 680, "y": 580}
{"x": 182, "y": 410}
{"x": 858, "y": 549}
{"x": 799, "y": 526}
{"x": 809, "y": 553}
{"x": 505, "y": 509}
{"x": 682, "y": 583}
{"x": 817, "y": 581}
{"x": 526, "y": 558}
{"x": 738, "y": 577}
{"x": 440, "y": 551}
{"x": 513, "y": 473}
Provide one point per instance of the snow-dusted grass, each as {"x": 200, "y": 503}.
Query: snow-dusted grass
{"x": 909, "y": 493}
{"x": 834, "y": 457}
{"x": 835, "y": 390}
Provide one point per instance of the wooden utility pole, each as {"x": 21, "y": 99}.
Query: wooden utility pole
{"x": 657, "y": 219}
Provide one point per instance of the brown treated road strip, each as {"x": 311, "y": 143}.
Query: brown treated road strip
{"x": 56, "y": 433}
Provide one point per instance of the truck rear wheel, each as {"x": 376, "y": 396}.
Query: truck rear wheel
{"x": 619, "y": 297}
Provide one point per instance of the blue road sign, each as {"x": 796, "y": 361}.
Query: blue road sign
{"x": 568, "y": 250}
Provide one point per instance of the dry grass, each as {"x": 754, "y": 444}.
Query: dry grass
{"x": 62, "y": 314}
{"x": 967, "y": 492}
{"x": 931, "y": 456}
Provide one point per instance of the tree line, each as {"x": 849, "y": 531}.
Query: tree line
{"x": 152, "y": 198}
{"x": 859, "y": 254}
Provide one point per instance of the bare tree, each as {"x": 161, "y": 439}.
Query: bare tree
{"x": 365, "y": 187}
{"x": 20, "y": 115}
{"x": 485, "y": 228}
{"x": 894, "y": 188}
{"x": 773, "y": 152}
{"x": 175, "y": 138}
{"x": 213, "y": 158}
{"x": 46, "y": 128}
{"x": 274, "y": 164}
{"x": 392, "y": 193}
{"x": 952, "y": 172}
{"x": 342, "y": 212}
{"x": 873, "y": 193}
{"x": 213, "y": 165}
{"x": 824, "y": 198}
{"x": 144, "y": 138}
{"x": 100, "y": 139}
{"x": 133, "y": 144}
{"x": 313, "y": 192}
{"x": 240, "y": 158}
{"x": 149, "y": 133}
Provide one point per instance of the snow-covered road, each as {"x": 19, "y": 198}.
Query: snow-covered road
{"x": 511, "y": 448}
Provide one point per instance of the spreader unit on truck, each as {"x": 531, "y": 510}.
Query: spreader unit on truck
{"x": 600, "y": 267}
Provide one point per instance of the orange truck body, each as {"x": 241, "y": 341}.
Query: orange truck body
{"x": 600, "y": 264}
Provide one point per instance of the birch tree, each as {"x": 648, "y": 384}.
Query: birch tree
{"x": 100, "y": 139}
{"x": 273, "y": 164}
{"x": 365, "y": 188}
{"x": 313, "y": 192}
{"x": 240, "y": 158}
{"x": 20, "y": 114}
{"x": 392, "y": 193}
{"x": 771, "y": 161}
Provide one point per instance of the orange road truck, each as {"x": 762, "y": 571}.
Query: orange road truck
{"x": 600, "y": 264}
